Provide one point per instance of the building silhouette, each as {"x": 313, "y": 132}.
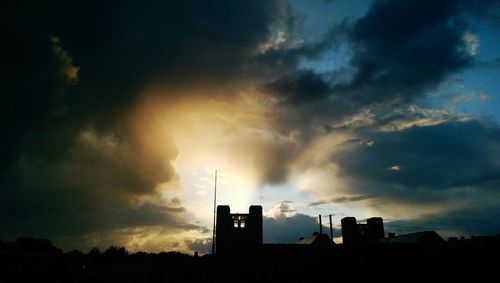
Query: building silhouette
{"x": 354, "y": 233}
{"x": 427, "y": 238}
{"x": 420, "y": 244}
{"x": 238, "y": 233}
{"x": 316, "y": 239}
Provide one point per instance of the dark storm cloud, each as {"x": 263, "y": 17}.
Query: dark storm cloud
{"x": 71, "y": 74}
{"x": 418, "y": 161}
{"x": 120, "y": 47}
{"x": 33, "y": 87}
{"x": 398, "y": 52}
{"x": 300, "y": 88}
{"x": 401, "y": 48}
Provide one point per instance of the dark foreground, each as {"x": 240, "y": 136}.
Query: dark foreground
{"x": 477, "y": 259}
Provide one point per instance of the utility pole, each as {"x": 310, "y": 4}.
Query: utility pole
{"x": 320, "y": 225}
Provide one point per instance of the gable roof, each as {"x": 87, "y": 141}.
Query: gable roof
{"x": 413, "y": 238}
{"x": 315, "y": 240}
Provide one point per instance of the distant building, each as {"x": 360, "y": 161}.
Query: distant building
{"x": 354, "y": 233}
{"x": 238, "y": 233}
{"x": 426, "y": 238}
{"x": 316, "y": 239}
{"x": 425, "y": 243}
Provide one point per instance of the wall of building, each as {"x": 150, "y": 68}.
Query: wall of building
{"x": 238, "y": 233}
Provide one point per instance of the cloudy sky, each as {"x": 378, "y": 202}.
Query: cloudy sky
{"x": 115, "y": 115}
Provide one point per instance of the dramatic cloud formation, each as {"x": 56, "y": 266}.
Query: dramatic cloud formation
{"x": 436, "y": 157}
{"x": 74, "y": 73}
{"x": 109, "y": 109}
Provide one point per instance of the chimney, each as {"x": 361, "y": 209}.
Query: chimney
{"x": 320, "y": 225}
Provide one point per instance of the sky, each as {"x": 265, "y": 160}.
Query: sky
{"x": 116, "y": 114}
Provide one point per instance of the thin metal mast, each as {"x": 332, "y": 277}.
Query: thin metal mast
{"x": 215, "y": 213}
{"x": 331, "y": 227}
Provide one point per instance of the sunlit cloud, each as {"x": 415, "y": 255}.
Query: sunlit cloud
{"x": 471, "y": 43}
{"x": 395, "y": 168}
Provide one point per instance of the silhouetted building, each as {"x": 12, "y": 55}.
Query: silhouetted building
{"x": 422, "y": 244}
{"x": 354, "y": 233}
{"x": 316, "y": 239}
{"x": 428, "y": 238}
{"x": 238, "y": 233}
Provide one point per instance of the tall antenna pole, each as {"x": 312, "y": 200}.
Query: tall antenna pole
{"x": 215, "y": 212}
{"x": 331, "y": 227}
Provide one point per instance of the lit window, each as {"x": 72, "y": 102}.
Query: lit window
{"x": 239, "y": 221}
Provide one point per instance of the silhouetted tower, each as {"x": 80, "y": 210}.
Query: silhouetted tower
{"x": 349, "y": 230}
{"x": 356, "y": 234}
{"x": 238, "y": 233}
{"x": 254, "y": 224}
{"x": 375, "y": 229}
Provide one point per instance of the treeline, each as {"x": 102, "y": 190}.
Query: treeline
{"x": 37, "y": 260}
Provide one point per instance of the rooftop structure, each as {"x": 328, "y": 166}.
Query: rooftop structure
{"x": 424, "y": 237}
{"x": 354, "y": 233}
{"x": 236, "y": 232}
